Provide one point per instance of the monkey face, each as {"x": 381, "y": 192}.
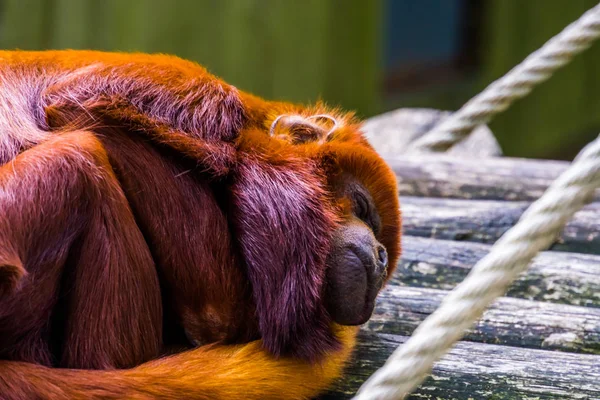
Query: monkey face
{"x": 357, "y": 262}
{"x": 365, "y": 245}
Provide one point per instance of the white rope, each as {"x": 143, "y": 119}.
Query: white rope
{"x": 517, "y": 83}
{"x": 537, "y": 229}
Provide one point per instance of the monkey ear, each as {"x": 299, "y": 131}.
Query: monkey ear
{"x": 298, "y": 130}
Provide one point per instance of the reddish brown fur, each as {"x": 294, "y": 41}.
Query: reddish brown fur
{"x": 125, "y": 171}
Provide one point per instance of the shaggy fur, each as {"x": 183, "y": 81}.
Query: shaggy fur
{"x": 139, "y": 193}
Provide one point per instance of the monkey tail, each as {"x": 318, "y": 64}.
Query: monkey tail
{"x": 243, "y": 371}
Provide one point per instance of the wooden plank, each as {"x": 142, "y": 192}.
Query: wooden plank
{"x": 486, "y": 221}
{"x": 509, "y": 321}
{"x": 392, "y": 133}
{"x": 558, "y": 277}
{"x": 474, "y": 178}
{"x": 482, "y": 371}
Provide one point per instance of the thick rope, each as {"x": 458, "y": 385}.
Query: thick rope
{"x": 517, "y": 83}
{"x": 536, "y": 230}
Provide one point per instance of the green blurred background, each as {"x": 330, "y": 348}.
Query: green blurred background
{"x": 367, "y": 55}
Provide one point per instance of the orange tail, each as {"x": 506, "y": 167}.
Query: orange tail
{"x": 209, "y": 372}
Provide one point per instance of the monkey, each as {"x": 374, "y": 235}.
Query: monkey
{"x": 146, "y": 205}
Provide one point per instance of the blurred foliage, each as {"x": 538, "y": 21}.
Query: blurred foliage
{"x": 561, "y": 115}
{"x": 298, "y": 51}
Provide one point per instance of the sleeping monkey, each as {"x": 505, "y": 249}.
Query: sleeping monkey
{"x": 146, "y": 206}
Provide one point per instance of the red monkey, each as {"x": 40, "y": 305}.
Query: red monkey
{"x": 147, "y": 206}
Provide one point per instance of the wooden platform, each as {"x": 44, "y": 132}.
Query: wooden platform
{"x": 541, "y": 341}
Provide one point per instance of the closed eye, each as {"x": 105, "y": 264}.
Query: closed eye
{"x": 365, "y": 210}
{"x": 362, "y": 208}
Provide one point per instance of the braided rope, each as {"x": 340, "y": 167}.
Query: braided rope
{"x": 517, "y": 83}
{"x": 536, "y": 230}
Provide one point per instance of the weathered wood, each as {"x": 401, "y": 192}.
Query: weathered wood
{"x": 509, "y": 321}
{"x": 558, "y": 277}
{"x": 485, "y": 221}
{"x": 491, "y": 178}
{"x": 393, "y": 132}
{"x": 561, "y": 282}
{"x": 483, "y": 371}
